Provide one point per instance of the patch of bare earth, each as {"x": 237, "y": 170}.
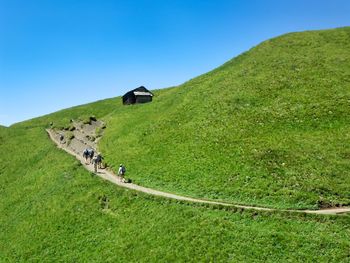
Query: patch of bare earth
{"x": 80, "y": 135}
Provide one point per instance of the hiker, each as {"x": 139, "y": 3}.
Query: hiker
{"x": 91, "y": 154}
{"x": 86, "y": 154}
{"x": 121, "y": 172}
{"x": 94, "y": 161}
{"x": 99, "y": 159}
{"x": 97, "y": 162}
{"x": 61, "y": 138}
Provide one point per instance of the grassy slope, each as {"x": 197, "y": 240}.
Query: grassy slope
{"x": 52, "y": 210}
{"x": 271, "y": 127}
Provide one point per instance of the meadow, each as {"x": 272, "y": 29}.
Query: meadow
{"x": 53, "y": 210}
{"x": 270, "y": 127}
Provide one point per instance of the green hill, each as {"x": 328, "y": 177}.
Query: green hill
{"x": 53, "y": 210}
{"x": 269, "y": 127}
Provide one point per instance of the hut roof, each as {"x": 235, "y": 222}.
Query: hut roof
{"x": 140, "y": 91}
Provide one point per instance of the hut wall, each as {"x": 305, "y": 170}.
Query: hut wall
{"x": 130, "y": 99}
{"x": 143, "y": 99}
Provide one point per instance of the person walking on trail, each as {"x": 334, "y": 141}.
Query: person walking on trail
{"x": 121, "y": 172}
{"x": 86, "y": 154}
{"x": 94, "y": 162}
{"x": 91, "y": 154}
{"x": 99, "y": 159}
{"x": 97, "y": 162}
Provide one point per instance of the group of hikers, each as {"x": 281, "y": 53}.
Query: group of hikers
{"x": 90, "y": 157}
{"x": 96, "y": 160}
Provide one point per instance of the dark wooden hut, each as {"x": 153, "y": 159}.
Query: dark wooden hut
{"x": 138, "y": 95}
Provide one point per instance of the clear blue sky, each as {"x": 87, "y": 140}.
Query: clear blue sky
{"x": 56, "y": 54}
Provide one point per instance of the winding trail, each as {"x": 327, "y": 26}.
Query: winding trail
{"x": 107, "y": 175}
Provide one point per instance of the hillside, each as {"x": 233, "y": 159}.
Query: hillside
{"x": 52, "y": 210}
{"x": 269, "y": 128}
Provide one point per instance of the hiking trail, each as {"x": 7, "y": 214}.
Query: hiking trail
{"x": 78, "y": 143}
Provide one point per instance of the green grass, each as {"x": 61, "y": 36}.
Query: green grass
{"x": 270, "y": 127}
{"x": 53, "y": 210}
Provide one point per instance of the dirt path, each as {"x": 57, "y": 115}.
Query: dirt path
{"x": 107, "y": 175}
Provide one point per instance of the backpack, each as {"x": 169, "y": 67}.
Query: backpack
{"x": 123, "y": 169}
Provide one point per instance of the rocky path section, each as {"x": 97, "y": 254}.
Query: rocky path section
{"x": 80, "y": 135}
{"x": 78, "y": 145}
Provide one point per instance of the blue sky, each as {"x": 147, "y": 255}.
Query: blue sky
{"x": 61, "y": 53}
